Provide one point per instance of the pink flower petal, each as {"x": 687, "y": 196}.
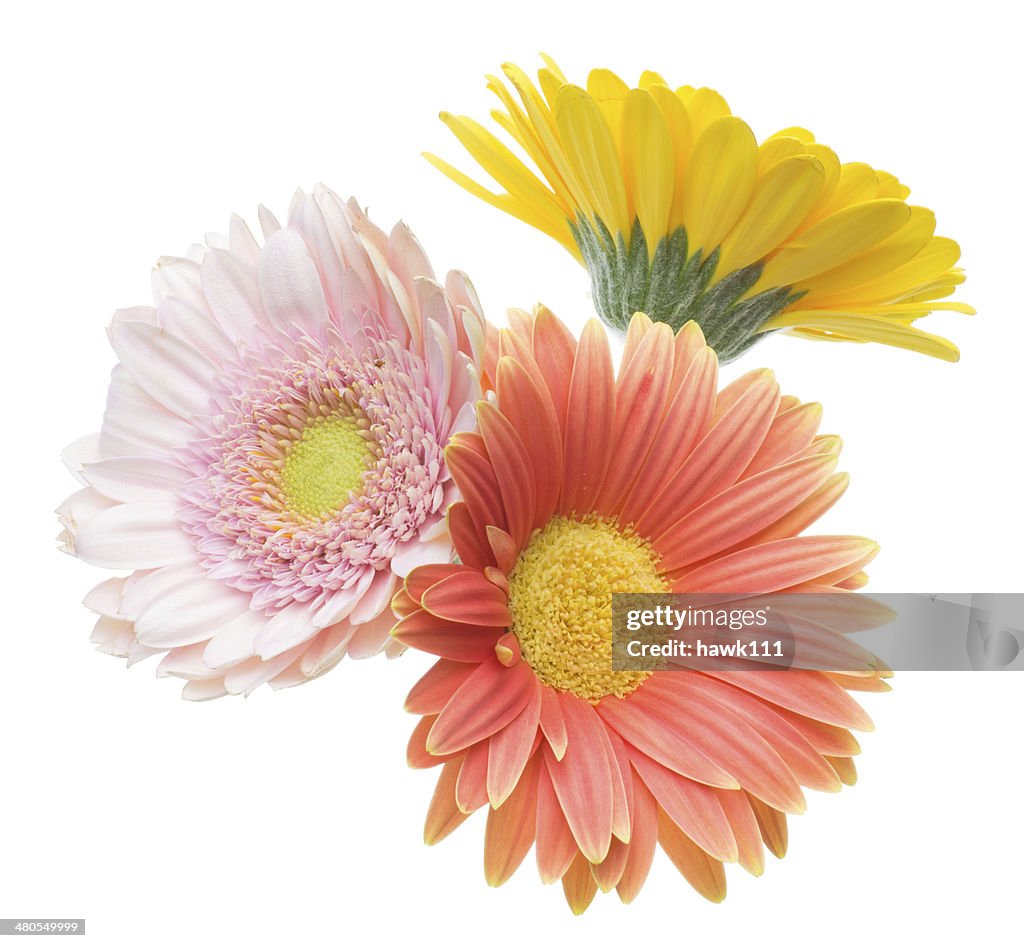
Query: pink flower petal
{"x": 166, "y": 367}
{"x": 135, "y": 536}
{"x": 290, "y": 286}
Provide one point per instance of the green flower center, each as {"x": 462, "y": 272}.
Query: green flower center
{"x": 324, "y": 465}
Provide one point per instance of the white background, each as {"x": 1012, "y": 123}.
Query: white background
{"x": 291, "y": 818}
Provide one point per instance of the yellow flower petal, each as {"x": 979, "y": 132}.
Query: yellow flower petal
{"x": 914, "y": 310}
{"x": 868, "y": 329}
{"x": 500, "y": 163}
{"x": 781, "y": 199}
{"x": 648, "y": 164}
{"x": 889, "y": 186}
{"x": 543, "y": 122}
{"x": 553, "y": 68}
{"x": 556, "y": 228}
{"x": 927, "y": 265}
{"x": 549, "y": 85}
{"x": 944, "y": 285}
{"x": 833, "y": 170}
{"x": 840, "y": 237}
{"x": 517, "y": 123}
{"x": 720, "y": 180}
{"x": 857, "y": 183}
{"x": 703, "y": 105}
{"x": 590, "y": 148}
{"x": 681, "y": 132}
{"x": 609, "y": 92}
{"x": 650, "y": 78}
{"x": 827, "y": 289}
{"x": 802, "y": 135}
{"x": 773, "y": 150}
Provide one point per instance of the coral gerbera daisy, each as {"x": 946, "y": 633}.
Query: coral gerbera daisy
{"x": 271, "y": 460}
{"x": 676, "y": 211}
{"x": 578, "y": 485}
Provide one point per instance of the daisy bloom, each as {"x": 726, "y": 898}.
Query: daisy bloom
{"x": 271, "y": 460}
{"x": 578, "y": 485}
{"x": 675, "y": 210}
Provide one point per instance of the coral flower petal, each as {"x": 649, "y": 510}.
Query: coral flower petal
{"x": 740, "y": 511}
{"x": 686, "y": 422}
{"x": 419, "y": 580}
{"x": 556, "y": 847}
{"x": 608, "y": 871}
{"x": 704, "y": 873}
{"x": 799, "y": 755}
{"x": 741, "y": 819}
{"x": 555, "y": 351}
{"x": 643, "y": 387}
{"x": 732, "y": 744}
{"x": 515, "y": 475}
{"x": 792, "y": 430}
{"x": 803, "y": 692}
{"x": 416, "y": 754}
{"x": 511, "y": 828}
{"x": 579, "y": 885}
{"x": 469, "y": 598}
{"x": 720, "y": 457}
{"x": 466, "y": 538}
{"x": 774, "y": 829}
{"x": 552, "y": 722}
{"x": 642, "y": 844}
{"x": 454, "y": 640}
{"x": 533, "y": 414}
{"x": 662, "y": 738}
{"x": 471, "y": 788}
{"x": 443, "y": 816}
{"x": 477, "y": 481}
{"x": 591, "y": 409}
{"x": 490, "y": 699}
{"x": 582, "y": 779}
{"x": 510, "y": 749}
{"x": 434, "y": 690}
{"x": 779, "y": 564}
{"x": 692, "y": 806}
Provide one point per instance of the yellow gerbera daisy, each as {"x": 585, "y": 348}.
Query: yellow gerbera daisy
{"x": 676, "y": 211}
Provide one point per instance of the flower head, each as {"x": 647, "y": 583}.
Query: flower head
{"x": 271, "y": 460}
{"x": 579, "y": 485}
{"x": 676, "y": 211}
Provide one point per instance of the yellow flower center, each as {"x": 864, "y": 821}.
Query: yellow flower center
{"x": 324, "y": 465}
{"x": 560, "y": 596}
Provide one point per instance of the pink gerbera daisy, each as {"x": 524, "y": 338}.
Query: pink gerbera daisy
{"x": 579, "y": 485}
{"x": 271, "y": 460}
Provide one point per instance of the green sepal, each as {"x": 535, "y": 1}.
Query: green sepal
{"x": 675, "y": 286}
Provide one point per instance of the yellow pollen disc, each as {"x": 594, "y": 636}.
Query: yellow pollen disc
{"x": 324, "y": 465}
{"x": 560, "y": 596}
